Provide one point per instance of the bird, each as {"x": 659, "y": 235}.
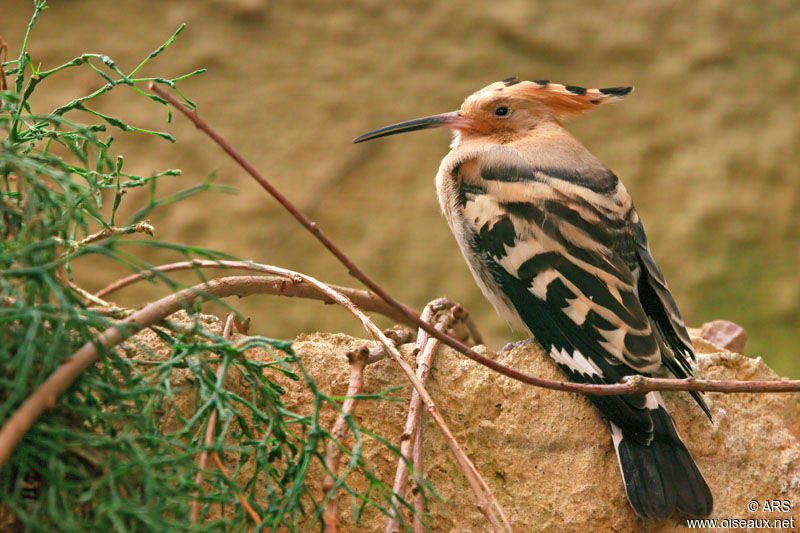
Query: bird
{"x": 554, "y": 242}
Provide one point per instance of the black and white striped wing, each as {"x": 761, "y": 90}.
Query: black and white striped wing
{"x": 564, "y": 256}
{"x": 677, "y": 351}
{"x": 659, "y": 304}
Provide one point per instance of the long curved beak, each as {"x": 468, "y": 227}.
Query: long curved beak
{"x": 452, "y": 119}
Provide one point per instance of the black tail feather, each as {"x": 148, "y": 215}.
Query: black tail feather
{"x": 662, "y": 476}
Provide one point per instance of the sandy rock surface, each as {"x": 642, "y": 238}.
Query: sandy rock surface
{"x": 548, "y": 455}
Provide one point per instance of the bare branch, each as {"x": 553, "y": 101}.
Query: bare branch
{"x": 249, "y": 508}
{"x": 426, "y": 348}
{"x": 46, "y": 394}
{"x": 86, "y": 295}
{"x": 416, "y": 457}
{"x": 462, "y": 315}
{"x": 485, "y": 499}
{"x": 356, "y": 272}
{"x": 315, "y": 195}
{"x": 139, "y": 227}
{"x": 212, "y": 423}
{"x": 377, "y": 351}
{"x": 330, "y": 515}
{"x": 283, "y": 287}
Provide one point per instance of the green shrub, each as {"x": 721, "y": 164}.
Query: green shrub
{"x": 100, "y": 459}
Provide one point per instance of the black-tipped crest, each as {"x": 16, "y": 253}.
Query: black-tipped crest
{"x": 616, "y": 91}
{"x": 564, "y": 101}
{"x": 576, "y": 89}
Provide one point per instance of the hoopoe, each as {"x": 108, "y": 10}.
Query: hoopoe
{"x": 554, "y": 242}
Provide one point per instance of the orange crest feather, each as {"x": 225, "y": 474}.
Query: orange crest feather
{"x": 564, "y": 100}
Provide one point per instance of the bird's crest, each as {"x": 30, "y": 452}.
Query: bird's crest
{"x": 562, "y": 101}
{"x": 507, "y": 108}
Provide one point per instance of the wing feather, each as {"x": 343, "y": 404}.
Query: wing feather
{"x": 677, "y": 351}
{"x": 570, "y": 262}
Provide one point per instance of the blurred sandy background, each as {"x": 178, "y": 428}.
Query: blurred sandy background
{"x": 707, "y": 145}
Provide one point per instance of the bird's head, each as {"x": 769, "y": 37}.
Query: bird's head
{"x": 509, "y": 109}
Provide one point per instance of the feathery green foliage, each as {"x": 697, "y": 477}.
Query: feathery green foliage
{"x": 101, "y": 458}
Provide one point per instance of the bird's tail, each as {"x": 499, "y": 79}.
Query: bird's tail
{"x": 661, "y": 476}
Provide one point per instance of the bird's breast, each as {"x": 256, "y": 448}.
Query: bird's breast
{"x": 465, "y": 204}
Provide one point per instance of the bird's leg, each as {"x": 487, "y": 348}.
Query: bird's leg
{"x": 515, "y": 344}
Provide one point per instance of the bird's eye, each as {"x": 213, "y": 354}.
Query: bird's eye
{"x": 501, "y": 111}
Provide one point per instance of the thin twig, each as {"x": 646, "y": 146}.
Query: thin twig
{"x": 88, "y": 296}
{"x": 3, "y": 52}
{"x": 211, "y": 427}
{"x": 249, "y": 508}
{"x": 354, "y": 270}
{"x": 377, "y": 351}
{"x": 486, "y": 501}
{"x": 139, "y": 227}
{"x": 416, "y": 458}
{"x": 642, "y": 383}
{"x": 330, "y": 515}
{"x": 462, "y": 315}
{"x": 317, "y": 194}
{"x": 188, "y": 329}
{"x": 426, "y": 348}
{"x": 46, "y": 394}
{"x": 283, "y": 287}
{"x": 115, "y": 312}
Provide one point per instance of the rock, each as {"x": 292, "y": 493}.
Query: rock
{"x": 725, "y": 334}
{"x": 547, "y": 455}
